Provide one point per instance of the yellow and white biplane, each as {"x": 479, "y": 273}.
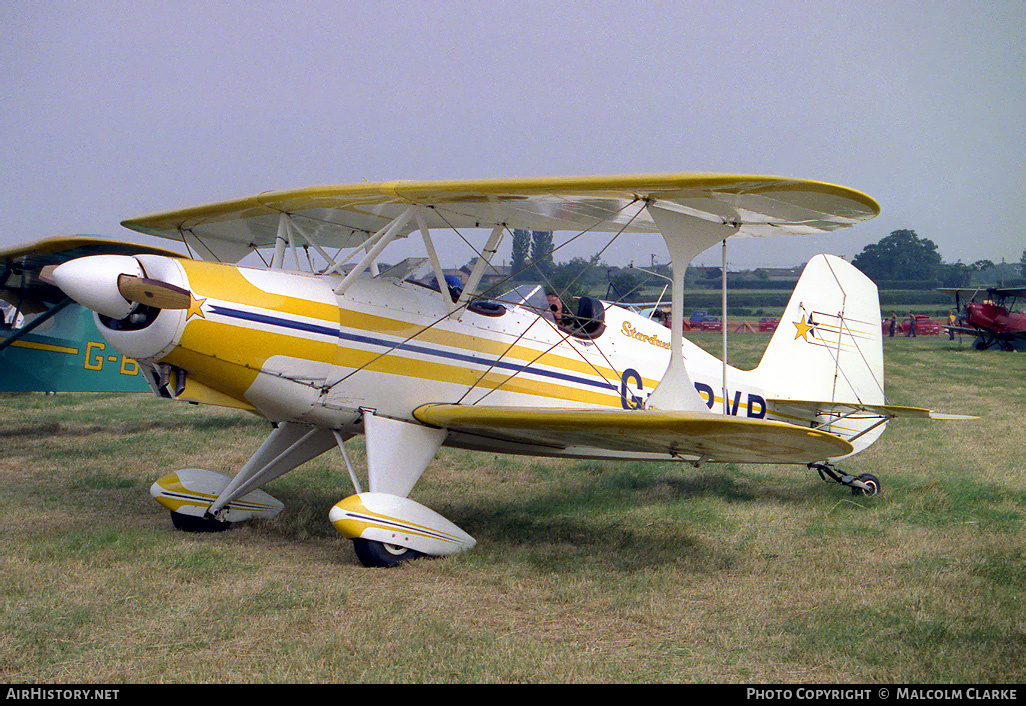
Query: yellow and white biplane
{"x": 411, "y": 363}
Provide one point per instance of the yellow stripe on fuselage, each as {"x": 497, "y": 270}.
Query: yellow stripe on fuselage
{"x": 227, "y": 283}
{"x": 424, "y": 369}
{"x": 469, "y": 343}
{"x": 234, "y": 370}
{"x": 228, "y": 360}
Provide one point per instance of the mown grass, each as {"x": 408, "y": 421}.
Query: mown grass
{"x": 584, "y": 571}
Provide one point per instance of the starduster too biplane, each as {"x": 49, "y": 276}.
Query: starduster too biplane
{"x": 352, "y": 348}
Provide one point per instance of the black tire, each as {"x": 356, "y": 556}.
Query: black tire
{"x": 869, "y": 480}
{"x": 191, "y": 523}
{"x": 377, "y": 555}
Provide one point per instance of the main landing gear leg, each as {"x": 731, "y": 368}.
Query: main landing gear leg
{"x": 206, "y": 501}
{"x": 865, "y": 484}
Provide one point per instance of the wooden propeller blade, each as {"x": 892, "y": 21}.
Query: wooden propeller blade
{"x": 153, "y": 292}
{"x": 46, "y": 275}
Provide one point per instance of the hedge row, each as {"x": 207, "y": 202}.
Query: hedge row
{"x": 702, "y": 299}
{"x": 775, "y": 284}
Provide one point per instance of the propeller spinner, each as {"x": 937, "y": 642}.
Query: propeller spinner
{"x": 112, "y": 285}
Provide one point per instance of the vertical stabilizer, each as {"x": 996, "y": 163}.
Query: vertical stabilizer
{"x": 828, "y": 348}
{"x": 828, "y": 345}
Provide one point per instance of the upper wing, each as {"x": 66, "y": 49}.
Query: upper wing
{"x": 54, "y": 251}
{"x": 695, "y": 436}
{"x": 1009, "y": 291}
{"x": 346, "y": 215}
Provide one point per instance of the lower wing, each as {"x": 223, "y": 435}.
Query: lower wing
{"x": 694, "y": 436}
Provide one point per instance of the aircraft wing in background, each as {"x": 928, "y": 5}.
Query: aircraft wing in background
{"x": 48, "y": 343}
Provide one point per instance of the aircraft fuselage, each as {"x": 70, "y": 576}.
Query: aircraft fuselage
{"x": 994, "y": 318}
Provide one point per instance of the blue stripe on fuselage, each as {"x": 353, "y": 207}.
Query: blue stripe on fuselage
{"x": 405, "y": 346}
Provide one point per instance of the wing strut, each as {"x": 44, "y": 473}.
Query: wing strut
{"x": 723, "y": 324}
{"x": 278, "y": 259}
{"x": 436, "y": 264}
{"x": 35, "y": 323}
{"x": 686, "y": 236}
{"x": 386, "y": 235}
{"x": 288, "y": 230}
{"x": 479, "y": 267}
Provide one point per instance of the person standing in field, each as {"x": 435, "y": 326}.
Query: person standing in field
{"x": 894, "y": 323}
{"x": 911, "y": 325}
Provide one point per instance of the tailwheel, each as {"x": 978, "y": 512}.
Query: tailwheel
{"x": 374, "y": 554}
{"x": 871, "y": 482}
{"x": 865, "y": 484}
{"x": 191, "y": 523}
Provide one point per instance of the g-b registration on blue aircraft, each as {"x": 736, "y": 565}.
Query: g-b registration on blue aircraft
{"x": 326, "y": 343}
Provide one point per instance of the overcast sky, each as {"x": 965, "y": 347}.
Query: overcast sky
{"x": 113, "y": 110}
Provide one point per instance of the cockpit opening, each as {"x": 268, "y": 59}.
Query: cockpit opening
{"x": 589, "y": 321}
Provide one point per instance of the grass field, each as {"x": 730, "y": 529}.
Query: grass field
{"x": 584, "y": 571}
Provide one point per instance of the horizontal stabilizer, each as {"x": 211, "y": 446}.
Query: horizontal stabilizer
{"x": 810, "y": 410}
{"x": 694, "y": 436}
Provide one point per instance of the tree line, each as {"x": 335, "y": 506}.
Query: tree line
{"x": 905, "y": 257}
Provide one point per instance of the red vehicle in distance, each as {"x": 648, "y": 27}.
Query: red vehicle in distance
{"x": 925, "y": 326}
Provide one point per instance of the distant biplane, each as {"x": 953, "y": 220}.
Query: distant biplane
{"x": 411, "y": 364}
{"x": 992, "y": 323}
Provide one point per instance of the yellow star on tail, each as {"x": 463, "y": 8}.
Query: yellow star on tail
{"x": 804, "y": 328}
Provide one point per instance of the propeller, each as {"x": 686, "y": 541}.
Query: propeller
{"x": 153, "y": 292}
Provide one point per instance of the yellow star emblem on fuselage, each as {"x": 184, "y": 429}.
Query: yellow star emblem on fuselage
{"x": 195, "y": 308}
{"x": 804, "y": 328}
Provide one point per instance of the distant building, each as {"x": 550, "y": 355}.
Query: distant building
{"x": 782, "y": 274}
{"x": 493, "y": 274}
{"x": 702, "y": 272}
{"x": 766, "y": 274}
